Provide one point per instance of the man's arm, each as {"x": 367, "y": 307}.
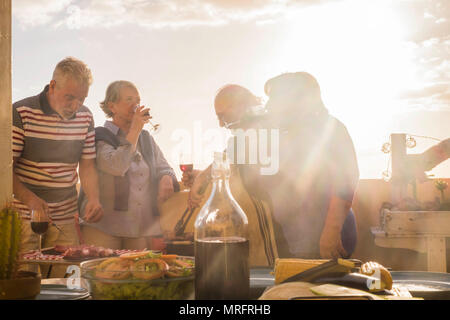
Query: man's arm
{"x": 25, "y": 195}
{"x": 21, "y": 192}
{"x": 344, "y": 179}
{"x": 330, "y": 240}
{"x": 89, "y": 183}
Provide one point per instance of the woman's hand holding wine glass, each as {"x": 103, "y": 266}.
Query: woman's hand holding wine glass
{"x": 142, "y": 116}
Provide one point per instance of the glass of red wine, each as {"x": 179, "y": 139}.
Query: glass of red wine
{"x": 186, "y": 163}
{"x": 155, "y": 127}
{"x": 39, "y": 224}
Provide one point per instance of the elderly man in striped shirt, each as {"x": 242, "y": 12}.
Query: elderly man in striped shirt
{"x": 53, "y": 134}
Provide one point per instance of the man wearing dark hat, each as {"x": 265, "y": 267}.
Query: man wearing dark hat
{"x": 312, "y": 192}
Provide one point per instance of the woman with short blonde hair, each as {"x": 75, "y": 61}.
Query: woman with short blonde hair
{"x": 134, "y": 176}
{"x": 113, "y": 95}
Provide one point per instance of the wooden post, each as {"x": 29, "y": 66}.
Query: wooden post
{"x": 6, "y": 159}
{"x": 399, "y": 178}
{"x": 436, "y": 258}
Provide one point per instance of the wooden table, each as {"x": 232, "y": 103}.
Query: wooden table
{"x": 50, "y": 263}
{"x": 262, "y": 284}
{"x": 422, "y": 231}
{"x": 260, "y": 279}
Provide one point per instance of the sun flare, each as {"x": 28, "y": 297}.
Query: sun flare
{"x": 357, "y": 51}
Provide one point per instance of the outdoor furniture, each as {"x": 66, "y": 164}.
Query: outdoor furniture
{"x": 422, "y": 231}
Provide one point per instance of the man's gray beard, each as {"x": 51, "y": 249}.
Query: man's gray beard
{"x": 67, "y": 117}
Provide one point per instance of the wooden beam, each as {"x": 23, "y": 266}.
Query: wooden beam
{"x": 398, "y": 156}
{"x": 416, "y": 243}
{"x": 433, "y": 246}
{"x": 5, "y": 103}
{"x": 437, "y": 261}
{"x": 407, "y": 223}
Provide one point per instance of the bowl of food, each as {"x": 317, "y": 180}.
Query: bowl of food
{"x": 146, "y": 275}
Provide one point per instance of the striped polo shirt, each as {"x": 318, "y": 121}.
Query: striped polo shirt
{"x": 48, "y": 149}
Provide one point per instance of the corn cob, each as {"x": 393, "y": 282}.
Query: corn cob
{"x": 286, "y": 268}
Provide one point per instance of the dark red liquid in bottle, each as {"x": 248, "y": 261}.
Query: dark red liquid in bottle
{"x": 39, "y": 227}
{"x": 221, "y": 269}
{"x": 186, "y": 167}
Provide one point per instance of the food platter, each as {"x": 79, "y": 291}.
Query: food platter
{"x": 70, "y": 254}
{"x": 136, "y": 277}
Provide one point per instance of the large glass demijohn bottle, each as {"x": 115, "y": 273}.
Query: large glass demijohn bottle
{"x": 221, "y": 241}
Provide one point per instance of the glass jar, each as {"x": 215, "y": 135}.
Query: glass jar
{"x": 221, "y": 241}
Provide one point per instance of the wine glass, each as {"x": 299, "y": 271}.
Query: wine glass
{"x": 186, "y": 163}
{"x": 39, "y": 224}
{"x": 153, "y": 127}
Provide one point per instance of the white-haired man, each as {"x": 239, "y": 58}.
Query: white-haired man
{"x": 53, "y": 135}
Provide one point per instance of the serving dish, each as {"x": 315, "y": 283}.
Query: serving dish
{"x": 137, "y": 283}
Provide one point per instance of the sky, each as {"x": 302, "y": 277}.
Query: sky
{"x": 383, "y": 66}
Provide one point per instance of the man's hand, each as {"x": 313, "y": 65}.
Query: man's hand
{"x": 197, "y": 190}
{"x": 188, "y": 177}
{"x": 22, "y": 193}
{"x": 35, "y": 203}
{"x": 330, "y": 240}
{"x": 331, "y": 244}
{"x": 165, "y": 188}
{"x": 93, "y": 211}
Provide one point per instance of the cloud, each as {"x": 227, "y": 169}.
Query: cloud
{"x": 424, "y": 19}
{"x": 435, "y": 90}
{"x": 428, "y": 33}
{"x": 155, "y": 14}
{"x": 33, "y": 13}
{"x": 434, "y": 55}
{"x": 435, "y": 96}
{"x": 166, "y": 13}
{"x": 426, "y": 25}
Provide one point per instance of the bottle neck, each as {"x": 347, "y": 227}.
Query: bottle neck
{"x": 221, "y": 217}
{"x": 220, "y": 186}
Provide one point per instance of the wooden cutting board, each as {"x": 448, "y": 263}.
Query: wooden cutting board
{"x": 308, "y": 291}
